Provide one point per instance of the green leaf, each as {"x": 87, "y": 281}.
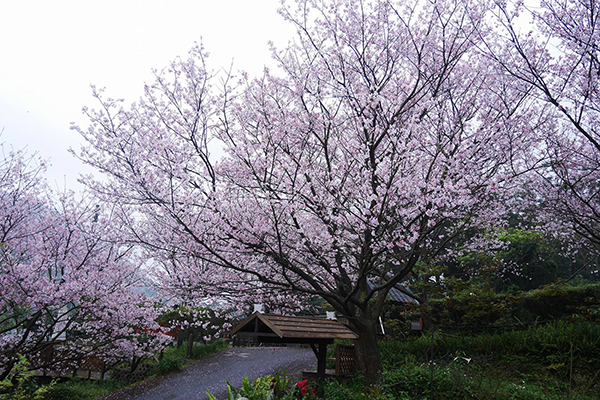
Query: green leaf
{"x": 210, "y": 396}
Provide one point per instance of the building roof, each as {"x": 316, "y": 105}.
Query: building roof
{"x": 290, "y": 327}
{"x": 395, "y": 294}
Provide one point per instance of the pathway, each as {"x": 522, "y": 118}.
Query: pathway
{"x": 212, "y": 373}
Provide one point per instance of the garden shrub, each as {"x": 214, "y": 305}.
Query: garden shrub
{"x": 20, "y": 385}
{"x": 355, "y": 390}
{"x": 479, "y": 308}
{"x": 553, "y": 343}
{"x": 168, "y": 365}
{"x": 457, "y": 381}
{"x": 266, "y": 387}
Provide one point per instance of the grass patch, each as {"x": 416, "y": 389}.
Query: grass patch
{"x": 76, "y": 389}
{"x": 174, "y": 358}
{"x": 559, "y": 342}
{"x": 460, "y": 381}
{"x": 555, "y": 361}
{"x": 558, "y": 360}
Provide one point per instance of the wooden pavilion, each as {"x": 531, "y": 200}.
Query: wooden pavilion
{"x": 317, "y": 332}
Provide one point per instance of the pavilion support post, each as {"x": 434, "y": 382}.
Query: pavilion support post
{"x": 315, "y": 350}
{"x": 321, "y": 359}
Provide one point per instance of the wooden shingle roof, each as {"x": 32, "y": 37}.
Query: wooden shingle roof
{"x": 289, "y": 327}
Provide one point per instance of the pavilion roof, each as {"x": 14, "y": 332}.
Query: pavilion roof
{"x": 292, "y": 327}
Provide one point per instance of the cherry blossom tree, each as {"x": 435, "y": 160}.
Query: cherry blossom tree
{"x": 561, "y": 60}
{"x": 66, "y": 277}
{"x": 383, "y": 138}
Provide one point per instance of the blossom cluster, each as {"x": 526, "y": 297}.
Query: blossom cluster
{"x": 68, "y": 281}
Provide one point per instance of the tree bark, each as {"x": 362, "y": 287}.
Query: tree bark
{"x": 190, "y": 345}
{"x": 367, "y": 351}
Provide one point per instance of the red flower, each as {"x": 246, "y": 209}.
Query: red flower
{"x": 314, "y": 390}
{"x": 304, "y": 390}
{"x": 302, "y": 383}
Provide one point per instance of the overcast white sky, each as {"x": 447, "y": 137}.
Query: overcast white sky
{"x": 51, "y": 51}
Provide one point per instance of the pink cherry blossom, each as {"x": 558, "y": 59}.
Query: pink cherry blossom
{"x": 387, "y": 135}
{"x": 67, "y": 279}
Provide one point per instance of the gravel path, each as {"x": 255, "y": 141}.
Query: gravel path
{"x": 212, "y": 373}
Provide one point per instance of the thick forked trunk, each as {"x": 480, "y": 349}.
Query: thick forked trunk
{"x": 367, "y": 351}
{"x": 365, "y": 322}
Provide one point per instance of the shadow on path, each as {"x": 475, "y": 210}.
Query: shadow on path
{"x": 212, "y": 373}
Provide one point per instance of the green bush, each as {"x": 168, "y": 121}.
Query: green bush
{"x": 168, "y": 365}
{"x": 258, "y": 390}
{"x": 355, "y": 390}
{"x": 414, "y": 380}
{"x": 553, "y": 343}
{"x": 268, "y": 387}
{"x": 20, "y": 385}
{"x": 458, "y": 381}
{"x": 477, "y": 307}
{"x": 543, "y": 362}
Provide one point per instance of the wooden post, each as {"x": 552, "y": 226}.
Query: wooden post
{"x": 322, "y": 360}
{"x": 103, "y": 371}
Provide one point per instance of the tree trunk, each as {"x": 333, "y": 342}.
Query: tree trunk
{"x": 135, "y": 362}
{"x": 367, "y": 351}
{"x": 190, "y": 345}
